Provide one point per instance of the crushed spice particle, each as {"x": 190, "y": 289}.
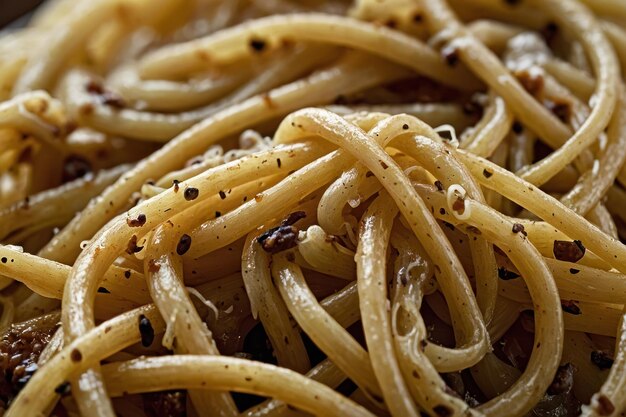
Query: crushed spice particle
{"x": 138, "y": 222}
{"x": 601, "y": 359}
{"x": 568, "y": 251}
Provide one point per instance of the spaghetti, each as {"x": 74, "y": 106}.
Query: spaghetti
{"x": 284, "y": 208}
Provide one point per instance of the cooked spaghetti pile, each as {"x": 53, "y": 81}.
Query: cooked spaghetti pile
{"x": 284, "y": 208}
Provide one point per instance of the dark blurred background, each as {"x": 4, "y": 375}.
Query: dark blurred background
{"x": 15, "y": 13}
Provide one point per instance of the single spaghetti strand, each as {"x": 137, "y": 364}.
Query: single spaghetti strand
{"x": 234, "y": 42}
{"x": 267, "y": 305}
{"x": 224, "y": 373}
{"x": 162, "y": 270}
{"x": 372, "y": 283}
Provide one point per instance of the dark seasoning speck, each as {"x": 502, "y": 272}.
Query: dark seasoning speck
{"x": 282, "y": 237}
{"x": 191, "y": 193}
{"x": 146, "y": 331}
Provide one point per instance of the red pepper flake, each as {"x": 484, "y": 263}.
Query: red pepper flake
{"x": 384, "y": 165}
{"x": 570, "y": 306}
{"x": 568, "y": 251}
{"x": 222, "y": 194}
{"x": 601, "y": 359}
{"x": 191, "y": 193}
{"x": 405, "y": 127}
{"x": 176, "y": 185}
{"x": 278, "y": 162}
{"x": 127, "y": 274}
{"x": 183, "y": 244}
{"x": 519, "y": 228}
{"x": 138, "y": 222}
{"x": 487, "y": 174}
{"x": 439, "y": 185}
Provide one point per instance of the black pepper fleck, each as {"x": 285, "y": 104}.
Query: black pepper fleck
{"x": 183, "y": 244}
{"x": 257, "y": 45}
{"x": 146, "y": 331}
{"x": 519, "y": 228}
{"x": 191, "y": 193}
{"x": 601, "y": 359}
